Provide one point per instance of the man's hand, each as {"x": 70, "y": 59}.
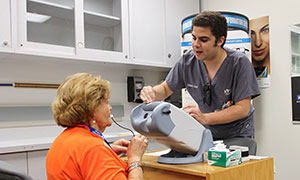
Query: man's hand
{"x": 237, "y": 111}
{"x": 147, "y": 94}
{"x": 195, "y": 112}
{"x": 157, "y": 93}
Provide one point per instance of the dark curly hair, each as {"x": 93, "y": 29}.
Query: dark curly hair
{"x": 213, "y": 20}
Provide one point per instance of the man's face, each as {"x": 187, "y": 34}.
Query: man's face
{"x": 203, "y": 43}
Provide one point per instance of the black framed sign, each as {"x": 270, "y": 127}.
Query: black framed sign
{"x": 296, "y": 98}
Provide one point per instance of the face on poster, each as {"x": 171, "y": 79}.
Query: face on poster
{"x": 260, "y": 46}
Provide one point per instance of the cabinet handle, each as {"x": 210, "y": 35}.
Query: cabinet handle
{"x": 169, "y": 55}
{"x": 80, "y": 45}
{"x": 5, "y": 43}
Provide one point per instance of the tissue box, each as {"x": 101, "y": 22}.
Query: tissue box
{"x": 224, "y": 158}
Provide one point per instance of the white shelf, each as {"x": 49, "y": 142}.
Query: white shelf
{"x": 21, "y": 139}
{"x": 295, "y": 29}
{"x": 50, "y": 9}
{"x": 50, "y": 4}
{"x": 295, "y": 74}
{"x": 101, "y": 19}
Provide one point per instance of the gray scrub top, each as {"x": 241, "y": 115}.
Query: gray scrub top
{"x": 234, "y": 81}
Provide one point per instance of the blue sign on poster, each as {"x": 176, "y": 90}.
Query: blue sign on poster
{"x": 298, "y": 97}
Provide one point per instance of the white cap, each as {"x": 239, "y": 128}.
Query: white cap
{"x": 242, "y": 148}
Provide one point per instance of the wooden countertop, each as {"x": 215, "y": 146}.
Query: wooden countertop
{"x": 252, "y": 170}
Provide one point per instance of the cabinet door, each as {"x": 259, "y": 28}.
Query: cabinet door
{"x": 295, "y": 50}
{"x": 147, "y": 32}
{"x": 5, "y": 31}
{"x": 17, "y": 159}
{"x": 103, "y": 30}
{"x": 176, "y": 11}
{"x": 37, "y": 164}
{"x": 76, "y": 29}
{"x": 46, "y": 26}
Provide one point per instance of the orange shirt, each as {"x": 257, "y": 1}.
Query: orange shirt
{"x": 79, "y": 154}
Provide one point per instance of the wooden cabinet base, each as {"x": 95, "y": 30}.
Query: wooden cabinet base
{"x": 252, "y": 170}
{"x": 154, "y": 173}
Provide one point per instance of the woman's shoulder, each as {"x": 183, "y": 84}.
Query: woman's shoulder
{"x": 81, "y": 137}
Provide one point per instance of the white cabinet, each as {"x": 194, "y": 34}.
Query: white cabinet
{"x": 105, "y": 30}
{"x": 46, "y": 27}
{"x": 77, "y": 29}
{"x": 140, "y": 32}
{"x": 17, "y": 159}
{"x": 155, "y": 29}
{"x": 295, "y": 50}
{"x": 37, "y": 164}
{"x": 147, "y": 31}
{"x": 176, "y": 11}
{"x": 31, "y": 162}
{"x": 5, "y": 31}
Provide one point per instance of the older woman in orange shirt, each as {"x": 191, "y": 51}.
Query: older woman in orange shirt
{"x": 81, "y": 151}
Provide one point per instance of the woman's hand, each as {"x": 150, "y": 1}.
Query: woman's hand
{"x": 195, "y": 112}
{"x": 136, "y": 148}
{"x": 120, "y": 146}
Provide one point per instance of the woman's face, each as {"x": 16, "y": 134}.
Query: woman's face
{"x": 260, "y": 38}
{"x": 102, "y": 116}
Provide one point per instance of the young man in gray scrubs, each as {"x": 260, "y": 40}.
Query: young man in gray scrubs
{"x": 222, "y": 82}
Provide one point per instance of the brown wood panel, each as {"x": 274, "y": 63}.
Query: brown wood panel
{"x": 154, "y": 173}
{"x": 256, "y": 170}
{"x": 252, "y": 170}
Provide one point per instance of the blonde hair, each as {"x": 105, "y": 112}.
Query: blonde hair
{"x": 77, "y": 98}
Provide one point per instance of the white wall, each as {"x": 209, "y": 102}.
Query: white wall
{"x": 275, "y": 134}
{"x": 38, "y": 71}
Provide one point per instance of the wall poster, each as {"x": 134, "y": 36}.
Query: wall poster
{"x": 260, "y": 49}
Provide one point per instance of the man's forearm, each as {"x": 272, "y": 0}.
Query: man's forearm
{"x": 230, "y": 114}
{"x": 162, "y": 91}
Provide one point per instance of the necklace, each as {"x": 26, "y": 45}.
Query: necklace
{"x": 95, "y": 131}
